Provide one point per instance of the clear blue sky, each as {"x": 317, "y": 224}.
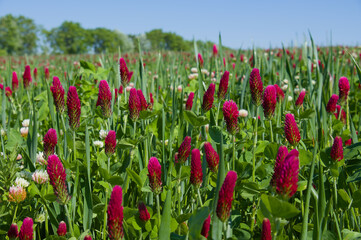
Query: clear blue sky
{"x": 241, "y": 23}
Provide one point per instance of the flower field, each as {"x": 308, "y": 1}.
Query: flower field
{"x": 210, "y": 144}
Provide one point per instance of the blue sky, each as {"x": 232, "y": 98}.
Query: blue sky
{"x": 241, "y": 23}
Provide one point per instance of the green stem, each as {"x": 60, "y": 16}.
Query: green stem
{"x": 158, "y": 209}
{"x": 74, "y": 147}
{"x": 335, "y": 190}
{"x": 234, "y": 152}
{"x": 16, "y": 209}
{"x": 46, "y": 224}
{"x": 105, "y": 215}
{"x": 219, "y": 106}
{"x": 69, "y": 220}
{"x": 199, "y": 197}
{"x": 270, "y": 125}
{"x": 254, "y": 148}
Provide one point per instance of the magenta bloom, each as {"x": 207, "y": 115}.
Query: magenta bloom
{"x": 50, "y": 141}
{"x": 208, "y": 98}
{"x": 332, "y": 103}
{"x": 46, "y": 73}
{"x": 57, "y": 178}
{"x": 61, "y": 229}
{"x": 256, "y": 86}
{"x": 58, "y": 95}
{"x": 143, "y": 212}
{"x": 115, "y": 214}
{"x": 343, "y": 88}
{"x": 15, "y": 82}
{"x": 230, "y": 113}
{"x": 88, "y": 237}
{"x": 225, "y": 196}
{"x": 300, "y": 98}
{"x": 215, "y": 50}
{"x": 35, "y": 72}
{"x": 155, "y": 175}
{"x": 200, "y": 60}
{"x": 212, "y": 157}
{"x": 281, "y": 156}
{"x": 74, "y": 108}
{"x": 291, "y": 130}
{"x": 206, "y": 226}
{"x": 343, "y": 114}
{"x": 124, "y": 72}
{"x": 266, "y": 230}
{"x": 134, "y": 105}
{"x": 8, "y": 92}
{"x": 13, "y": 231}
{"x": 287, "y": 180}
{"x": 196, "y": 178}
{"x": 105, "y": 99}
{"x": 189, "y": 103}
{"x": 27, "y": 77}
{"x": 184, "y": 150}
{"x": 143, "y": 102}
{"x": 269, "y": 101}
{"x": 110, "y": 143}
{"x": 223, "y": 85}
{"x": 151, "y": 101}
{"x": 26, "y": 230}
{"x": 280, "y": 93}
{"x": 337, "y": 149}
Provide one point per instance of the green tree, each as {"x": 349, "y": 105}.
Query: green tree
{"x": 108, "y": 40}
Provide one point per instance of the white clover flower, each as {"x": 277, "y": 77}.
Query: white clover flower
{"x": 297, "y": 77}
{"x": 285, "y": 81}
{"x": 21, "y": 182}
{"x": 284, "y": 87}
{"x": 40, "y": 176}
{"x": 179, "y": 88}
{"x": 103, "y": 134}
{"x": 296, "y": 90}
{"x": 206, "y": 127}
{"x": 24, "y": 131}
{"x": 26, "y": 123}
{"x": 205, "y": 71}
{"x": 194, "y": 70}
{"x": 290, "y": 98}
{"x": 40, "y": 158}
{"x": 3, "y": 133}
{"x": 40, "y": 218}
{"x": 155, "y": 76}
{"x": 19, "y": 157}
{"x": 243, "y": 113}
{"x": 214, "y": 80}
{"x": 131, "y": 84}
{"x": 313, "y": 82}
{"x": 98, "y": 144}
{"x": 128, "y": 88}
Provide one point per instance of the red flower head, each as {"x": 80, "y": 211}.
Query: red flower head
{"x": 110, "y": 143}
{"x": 58, "y": 95}
{"x": 8, "y": 92}
{"x": 348, "y": 142}
{"x": 269, "y": 101}
{"x": 200, "y": 60}
{"x": 143, "y": 102}
{"x": 35, "y": 72}
{"x": 155, "y": 175}
{"x": 88, "y": 237}
{"x": 50, "y": 141}
{"x": 151, "y": 101}
{"x": 208, "y": 98}
{"x": 280, "y": 93}
{"x": 15, "y": 81}
{"x": 184, "y": 150}
{"x": 230, "y": 113}
{"x": 46, "y": 73}
{"x": 223, "y": 85}
{"x": 189, "y": 102}
{"x": 215, "y": 50}
{"x": 300, "y": 98}
{"x": 115, "y": 214}
{"x": 266, "y": 230}
{"x": 27, "y": 77}
{"x": 121, "y": 89}
{"x": 225, "y": 196}
{"x": 115, "y": 95}
{"x": 124, "y": 72}
{"x": 206, "y": 226}
{"x": 343, "y": 88}
{"x": 212, "y": 157}
{"x": 291, "y": 130}
{"x": 57, "y": 178}
{"x": 13, "y": 231}
{"x": 105, "y": 99}
{"x": 281, "y": 156}
{"x": 61, "y": 229}
{"x": 74, "y": 108}
{"x": 256, "y": 86}
{"x": 143, "y": 212}
{"x": 196, "y": 178}
{"x": 343, "y": 114}
{"x": 331, "y": 105}
{"x": 337, "y": 149}
{"x": 26, "y": 230}
{"x": 134, "y": 105}
{"x": 287, "y": 180}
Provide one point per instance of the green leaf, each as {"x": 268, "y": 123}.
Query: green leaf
{"x": 350, "y": 235}
{"x": 196, "y": 222}
{"x": 356, "y": 199}
{"x": 275, "y": 207}
{"x": 271, "y": 150}
{"x": 195, "y": 120}
{"x": 50, "y": 197}
{"x": 305, "y": 157}
{"x": 87, "y": 65}
{"x": 164, "y": 231}
{"x": 135, "y": 177}
{"x": 14, "y": 139}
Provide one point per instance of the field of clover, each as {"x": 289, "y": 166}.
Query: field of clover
{"x": 210, "y": 144}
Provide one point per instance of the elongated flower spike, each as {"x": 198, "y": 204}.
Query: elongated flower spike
{"x": 300, "y": 98}
{"x": 143, "y": 212}
{"x": 256, "y": 86}
{"x": 287, "y": 180}
{"x": 57, "y": 178}
{"x": 215, "y": 50}
{"x": 26, "y": 230}
{"x": 50, "y": 141}
{"x": 74, "y": 108}
{"x": 281, "y": 156}
{"x": 189, "y": 103}
{"x": 58, "y": 95}
{"x": 13, "y": 232}
{"x": 291, "y": 130}
{"x": 184, "y": 150}
{"x": 8, "y": 92}
{"x": 196, "y": 177}
{"x": 280, "y": 93}
{"x": 225, "y": 196}
{"x": 200, "y": 60}
{"x": 266, "y": 230}
{"x": 344, "y": 88}
{"x": 223, "y": 85}
{"x": 151, "y": 102}
{"x": 134, "y": 105}
{"x": 337, "y": 149}
{"x": 206, "y": 226}
{"x": 212, "y": 157}
{"x": 46, "y": 73}
{"x": 143, "y": 102}
{"x": 155, "y": 175}
{"x": 35, "y": 72}
{"x": 105, "y": 99}
{"x": 110, "y": 143}
{"x": 269, "y": 101}
{"x": 208, "y": 98}
{"x": 15, "y": 82}
{"x": 332, "y": 103}
{"x": 124, "y": 72}
{"x": 27, "y": 77}
{"x": 115, "y": 214}
{"x": 61, "y": 229}
{"x": 231, "y": 113}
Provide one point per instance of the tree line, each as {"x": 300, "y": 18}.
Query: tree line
{"x": 20, "y": 35}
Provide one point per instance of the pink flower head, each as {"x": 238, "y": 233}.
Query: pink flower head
{"x": 15, "y": 82}
{"x": 200, "y": 60}
{"x": 61, "y": 229}
{"x": 17, "y": 194}
{"x": 58, "y": 95}
{"x": 281, "y": 156}
{"x": 88, "y": 237}
{"x": 35, "y": 72}
{"x": 8, "y": 92}
{"x": 13, "y": 232}
{"x": 27, "y": 77}
{"x": 155, "y": 175}
{"x": 74, "y": 108}
{"x": 184, "y": 150}
{"x": 332, "y": 103}
{"x": 343, "y": 114}
{"x": 230, "y": 113}
{"x": 300, "y": 98}
{"x": 151, "y": 101}
{"x": 50, "y": 141}
{"x": 134, "y": 105}
{"x": 212, "y": 157}
{"x": 46, "y": 73}
{"x": 143, "y": 212}
{"x": 215, "y": 50}
{"x": 266, "y": 230}
{"x": 269, "y": 101}
{"x": 337, "y": 149}
{"x": 225, "y": 196}
{"x": 57, "y": 178}
{"x": 189, "y": 102}
{"x": 223, "y": 85}
{"x": 280, "y": 93}
{"x": 348, "y": 142}
{"x": 26, "y": 230}
{"x": 286, "y": 182}
{"x": 110, "y": 143}
{"x": 343, "y": 88}
{"x": 206, "y": 226}
{"x": 143, "y": 102}
{"x": 105, "y": 99}
{"x": 120, "y": 91}
{"x": 115, "y": 214}
{"x": 208, "y": 98}
{"x": 291, "y": 130}
{"x": 196, "y": 178}
{"x": 256, "y": 86}
{"x": 124, "y": 72}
